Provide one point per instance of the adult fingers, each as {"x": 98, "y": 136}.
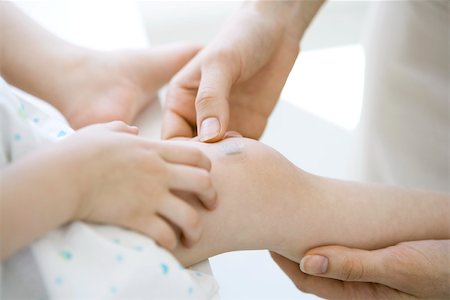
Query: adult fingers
{"x": 184, "y": 216}
{"x": 185, "y": 155}
{"x": 414, "y": 267}
{"x": 174, "y": 125}
{"x": 346, "y": 264}
{"x": 323, "y": 287}
{"x": 179, "y": 109}
{"x": 211, "y": 103}
{"x": 194, "y": 180}
{"x": 333, "y": 288}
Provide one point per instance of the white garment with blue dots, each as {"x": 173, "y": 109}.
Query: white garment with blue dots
{"x": 83, "y": 260}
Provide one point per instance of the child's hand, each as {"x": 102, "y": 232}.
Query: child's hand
{"x": 128, "y": 181}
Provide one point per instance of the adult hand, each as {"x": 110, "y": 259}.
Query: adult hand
{"x": 418, "y": 269}
{"x": 235, "y": 82}
{"x": 108, "y": 86}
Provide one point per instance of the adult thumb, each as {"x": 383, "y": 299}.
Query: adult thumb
{"x": 345, "y": 264}
{"x": 211, "y": 103}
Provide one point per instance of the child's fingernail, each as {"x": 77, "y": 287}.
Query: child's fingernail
{"x": 314, "y": 264}
{"x": 209, "y": 129}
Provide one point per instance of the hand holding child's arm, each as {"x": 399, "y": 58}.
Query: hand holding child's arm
{"x": 105, "y": 174}
{"x": 416, "y": 269}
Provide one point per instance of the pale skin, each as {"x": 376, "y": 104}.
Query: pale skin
{"x": 235, "y": 82}
{"x": 87, "y": 86}
{"x": 105, "y": 174}
{"x": 408, "y": 270}
{"x": 128, "y": 86}
{"x": 254, "y": 53}
{"x": 91, "y": 87}
{"x": 272, "y": 204}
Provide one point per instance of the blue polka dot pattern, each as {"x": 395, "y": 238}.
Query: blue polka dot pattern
{"x": 59, "y": 280}
{"x": 67, "y": 255}
{"x": 61, "y": 133}
{"x": 113, "y": 290}
{"x": 164, "y": 268}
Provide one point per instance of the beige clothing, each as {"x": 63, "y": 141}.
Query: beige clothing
{"x": 406, "y": 110}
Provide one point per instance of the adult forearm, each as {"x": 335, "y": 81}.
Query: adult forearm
{"x": 35, "y": 199}
{"x": 32, "y": 58}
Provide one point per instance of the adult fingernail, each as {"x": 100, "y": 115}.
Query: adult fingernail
{"x": 209, "y": 129}
{"x": 314, "y": 264}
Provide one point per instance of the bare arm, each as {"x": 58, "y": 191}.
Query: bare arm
{"x": 32, "y": 58}
{"x": 37, "y": 195}
{"x": 368, "y": 216}
{"x": 265, "y": 202}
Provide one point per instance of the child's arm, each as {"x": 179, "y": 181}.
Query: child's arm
{"x": 87, "y": 86}
{"x": 366, "y": 216}
{"x": 38, "y": 193}
{"x": 268, "y": 203}
{"x": 104, "y": 174}
{"x": 32, "y": 58}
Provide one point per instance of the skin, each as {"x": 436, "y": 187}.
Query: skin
{"x": 289, "y": 213}
{"x": 378, "y": 274}
{"x": 91, "y": 87}
{"x": 237, "y": 79}
{"x": 74, "y": 80}
{"x": 87, "y": 86}
{"x": 241, "y": 97}
{"x": 105, "y": 174}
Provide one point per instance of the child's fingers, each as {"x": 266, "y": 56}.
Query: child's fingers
{"x": 120, "y": 126}
{"x": 194, "y": 180}
{"x": 186, "y": 155}
{"x": 184, "y": 216}
{"x": 158, "y": 229}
